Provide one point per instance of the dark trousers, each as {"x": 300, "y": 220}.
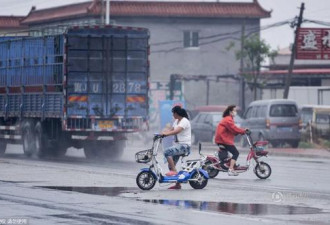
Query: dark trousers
{"x": 230, "y": 148}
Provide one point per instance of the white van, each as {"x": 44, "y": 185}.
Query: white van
{"x": 276, "y": 121}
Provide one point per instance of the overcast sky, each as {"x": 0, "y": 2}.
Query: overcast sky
{"x": 280, "y": 37}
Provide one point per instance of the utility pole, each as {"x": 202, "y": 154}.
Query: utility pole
{"x": 207, "y": 91}
{"x": 172, "y": 86}
{"x": 242, "y": 81}
{"x": 293, "y": 53}
{"x": 107, "y": 12}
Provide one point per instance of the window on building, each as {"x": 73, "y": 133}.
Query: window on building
{"x": 190, "y": 39}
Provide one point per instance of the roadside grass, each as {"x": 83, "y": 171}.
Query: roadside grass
{"x": 321, "y": 144}
{"x": 306, "y": 145}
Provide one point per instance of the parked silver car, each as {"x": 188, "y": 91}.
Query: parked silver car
{"x": 276, "y": 121}
{"x": 204, "y": 124}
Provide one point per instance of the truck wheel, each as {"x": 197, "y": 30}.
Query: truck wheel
{"x": 60, "y": 151}
{"x": 60, "y": 146}
{"x": 28, "y": 138}
{"x": 41, "y": 141}
{"x": 90, "y": 151}
{"x": 113, "y": 150}
{"x": 118, "y": 149}
{"x": 3, "y": 146}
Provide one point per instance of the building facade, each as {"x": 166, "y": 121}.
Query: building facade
{"x": 310, "y": 79}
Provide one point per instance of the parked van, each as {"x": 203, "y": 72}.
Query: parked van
{"x": 317, "y": 117}
{"x": 276, "y": 121}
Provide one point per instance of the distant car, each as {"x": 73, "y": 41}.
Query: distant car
{"x": 317, "y": 117}
{"x": 208, "y": 108}
{"x": 204, "y": 124}
{"x": 276, "y": 121}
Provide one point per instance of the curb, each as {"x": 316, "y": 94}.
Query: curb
{"x": 307, "y": 154}
{"x": 297, "y": 152}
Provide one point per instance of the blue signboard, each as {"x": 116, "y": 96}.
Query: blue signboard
{"x": 166, "y": 118}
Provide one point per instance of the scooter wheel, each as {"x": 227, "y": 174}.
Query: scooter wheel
{"x": 199, "y": 182}
{"x": 146, "y": 180}
{"x": 263, "y": 170}
{"x": 212, "y": 172}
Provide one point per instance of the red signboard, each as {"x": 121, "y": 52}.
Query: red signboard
{"x": 313, "y": 43}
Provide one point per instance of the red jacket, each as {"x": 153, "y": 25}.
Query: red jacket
{"x": 226, "y": 131}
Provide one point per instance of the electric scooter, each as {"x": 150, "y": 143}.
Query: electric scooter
{"x": 191, "y": 172}
{"x": 213, "y": 165}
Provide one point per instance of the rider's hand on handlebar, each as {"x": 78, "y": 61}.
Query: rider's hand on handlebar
{"x": 247, "y": 131}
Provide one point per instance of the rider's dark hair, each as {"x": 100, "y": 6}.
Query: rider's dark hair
{"x": 180, "y": 111}
{"x": 228, "y": 110}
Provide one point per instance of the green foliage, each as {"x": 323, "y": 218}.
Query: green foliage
{"x": 255, "y": 52}
{"x": 303, "y": 144}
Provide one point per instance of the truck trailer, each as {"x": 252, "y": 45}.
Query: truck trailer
{"x": 86, "y": 88}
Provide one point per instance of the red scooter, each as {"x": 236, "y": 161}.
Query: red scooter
{"x": 213, "y": 165}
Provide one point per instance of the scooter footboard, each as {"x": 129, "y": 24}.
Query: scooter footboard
{"x": 205, "y": 174}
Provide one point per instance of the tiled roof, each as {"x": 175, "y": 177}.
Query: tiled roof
{"x": 10, "y": 21}
{"x": 187, "y": 9}
{"x": 152, "y": 9}
{"x": 67, "y": 11}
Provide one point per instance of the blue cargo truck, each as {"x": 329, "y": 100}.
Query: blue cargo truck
{"x": 85, "y": 88}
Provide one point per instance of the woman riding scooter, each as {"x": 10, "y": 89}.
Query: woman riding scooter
{"x": 182, "y": 131}
{"x": 225, "y": 134}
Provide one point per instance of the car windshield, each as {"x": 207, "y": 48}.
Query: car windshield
{"x": 283, "y": 111}
{"x": 322, "y": 118}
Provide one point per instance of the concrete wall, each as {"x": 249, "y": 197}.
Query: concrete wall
{"x": 210, "y": 58}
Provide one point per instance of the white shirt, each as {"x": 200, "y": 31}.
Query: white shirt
{"x": 184, "y": 137}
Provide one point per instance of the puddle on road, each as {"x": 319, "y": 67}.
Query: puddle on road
{"x": 108, "y": 191}
{"x": 220, "y": 207}
{"x": 238, "y": 208}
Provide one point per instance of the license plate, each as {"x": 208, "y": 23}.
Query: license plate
{"x": 105, "y": 124}
{"x": 284, "y": 129}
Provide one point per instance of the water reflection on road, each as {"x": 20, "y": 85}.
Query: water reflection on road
{"x": 239, "y": 208}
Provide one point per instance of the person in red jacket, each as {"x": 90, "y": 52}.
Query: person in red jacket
{"x": 225, "y": 134}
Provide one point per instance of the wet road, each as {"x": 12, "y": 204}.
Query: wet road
{"x": 72, "y": 190}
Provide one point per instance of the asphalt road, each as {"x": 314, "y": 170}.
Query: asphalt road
{"x": 72, "y": 190}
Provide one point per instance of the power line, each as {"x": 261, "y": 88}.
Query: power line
{"x": 228, "y": 33}
{"x": 324, "y": 23}
{"x": 223, "y": 36}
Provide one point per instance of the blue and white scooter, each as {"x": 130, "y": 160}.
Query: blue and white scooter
{"x": 191, "y": 172}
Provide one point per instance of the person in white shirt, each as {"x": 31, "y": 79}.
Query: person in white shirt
{"x": 182, "y": 130}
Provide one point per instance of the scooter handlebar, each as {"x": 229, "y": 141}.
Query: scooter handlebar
{"x": 157, "y": 136}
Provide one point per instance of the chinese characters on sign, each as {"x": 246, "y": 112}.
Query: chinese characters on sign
{"x": 313, "y": 43}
